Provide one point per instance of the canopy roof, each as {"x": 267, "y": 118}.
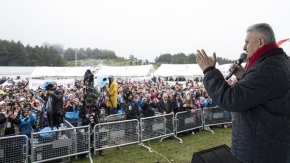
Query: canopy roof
{"x": 59, "y": 71}
{"x": 127, "y": 71}
{"x": 179, "y": 70}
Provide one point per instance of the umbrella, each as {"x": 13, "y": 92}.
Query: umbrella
{"x": 102, "y": 80}
{"x": 45, "y": 84}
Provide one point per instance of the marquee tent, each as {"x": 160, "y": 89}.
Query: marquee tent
{"x": 59, "y": 71}
{"x": 127, "y": 71}
{"x": 14, "y": 71}
{"x": 175, "y": 70}
{"x": 225, "y": 69}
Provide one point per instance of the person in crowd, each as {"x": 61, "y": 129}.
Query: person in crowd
{"x": 177, "y": 104}
{"x": 165, "y": 105}
{"x": 28, "y": 119}
{"x": 207, "y": 103}
{"x": 148, "y": 106}
{"x": 154, "y": 79}
{"x": 197, "y": 106}
{"x": 112, "y": 95}
{"x": 54, "y": 105}
{"x": 140, "y": 99}
{"x": 130, "y": 106}
{"x": 9, "y": 120}
{"x": 89, "y": 114}
{"x": 92, "y": 93}
{"x": 259, "y": 100}
{"x": 187, "y": 103}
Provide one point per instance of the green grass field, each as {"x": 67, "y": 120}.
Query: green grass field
{"x": 171, "y": 148}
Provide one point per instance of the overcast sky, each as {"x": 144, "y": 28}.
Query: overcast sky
{"x": 145, "y": 28}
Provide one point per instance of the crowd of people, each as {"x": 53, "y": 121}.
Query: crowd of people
{"x": 23, "y": 110}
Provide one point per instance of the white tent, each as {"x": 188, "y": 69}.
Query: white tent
{"x": 174, "y": 70}
{"x": 59, "y": 71}
{"x": 225, "y": 69}
{"x": 11, "y": 71}
{"x": 127, "y": 71}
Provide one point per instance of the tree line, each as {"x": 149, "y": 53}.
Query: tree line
{"x": 181, "y": 58}
{"x": 16, "y": 54}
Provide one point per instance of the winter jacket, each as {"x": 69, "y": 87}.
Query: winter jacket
{"x": 176, "y": 107}
{"x": 148, "y": 108}
{"x": 260, "y": 102}
{"x": 89, "y": 110}
{"x": 131, "y": 109}
{"x": 57, "y": 101}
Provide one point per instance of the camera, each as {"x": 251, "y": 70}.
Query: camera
{"x": 49, "y": 87}
{"x": 10, "y": 103}
{"x": 92, "y": 120}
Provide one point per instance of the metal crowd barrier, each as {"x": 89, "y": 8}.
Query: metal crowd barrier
{"x": 72, "y": 141}
{"x": 115, "y": 117}
{"x": 214, "y": 116}
{"x": 115, "y": 134}
{"x": 161, "y": 126}
{"x": 14, "y": 149}
{"x": 187, "y": 121}
{"x": 60, "y": 144}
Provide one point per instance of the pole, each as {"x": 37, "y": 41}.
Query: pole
{"x": 76, "y": 60}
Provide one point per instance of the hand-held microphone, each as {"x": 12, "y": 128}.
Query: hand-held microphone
{"x": 243, "y": 56}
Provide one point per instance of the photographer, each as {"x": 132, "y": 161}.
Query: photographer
{"x": 92, "y": 94}
{"x": 54, "y": 104}
{"x": 130, "y": 106}
{"x": 9, "y": 119}
{"x": 147, "y": 106}
{"x": 89, "y": 114}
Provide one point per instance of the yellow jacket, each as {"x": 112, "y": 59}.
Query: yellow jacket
{"x": 113, "y": 95}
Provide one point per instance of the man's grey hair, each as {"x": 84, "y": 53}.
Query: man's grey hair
{"x": 263, "y": 30}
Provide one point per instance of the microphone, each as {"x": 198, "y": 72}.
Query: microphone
{"x": 243, "y": 56}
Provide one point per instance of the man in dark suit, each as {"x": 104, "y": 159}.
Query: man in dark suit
{"x": 165, "y": 105}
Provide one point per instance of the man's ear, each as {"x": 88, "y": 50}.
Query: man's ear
{"x": 261, "y": 41}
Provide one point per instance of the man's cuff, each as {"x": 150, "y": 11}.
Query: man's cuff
{"x": 208, "y": 69}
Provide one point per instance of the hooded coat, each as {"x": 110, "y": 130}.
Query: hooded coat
{"x": 113, "y": 95}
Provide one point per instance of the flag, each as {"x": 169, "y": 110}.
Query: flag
{"x": 282, "y": 41}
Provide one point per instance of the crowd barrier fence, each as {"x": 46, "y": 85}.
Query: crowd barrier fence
{"x": 161, "y": 126}
{"x": 14, "y": 149}
{"x": 213, "y": 116}
{"x": 71, "y": 141}
{"x": 60, "y": 144}
{"x": 187, "y": 121}
{"x": 115, "y": 134}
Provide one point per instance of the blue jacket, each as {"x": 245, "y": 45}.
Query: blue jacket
{"x": 25, "y": 126}
{"x": 139, "y": 102}
{"x": 260, "y": 103}
{"x": 205, "y": 101}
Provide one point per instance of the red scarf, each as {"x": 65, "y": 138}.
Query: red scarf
{"x": 259, "y": 52}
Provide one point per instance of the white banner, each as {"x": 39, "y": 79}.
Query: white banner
{"x": 171, "y": 83}
{"x": 34, "y": 83}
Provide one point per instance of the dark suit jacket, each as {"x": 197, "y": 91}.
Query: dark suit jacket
{"x": 161, "y": 106}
